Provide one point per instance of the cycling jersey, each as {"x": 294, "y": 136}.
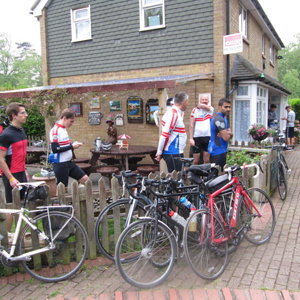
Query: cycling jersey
{"x": 173, "y": 136}
{"x": 202, "y": 121}
{"x": 216, "y": 144}
{"x": 13, "y": 140}
{"x": 60, "y": 143}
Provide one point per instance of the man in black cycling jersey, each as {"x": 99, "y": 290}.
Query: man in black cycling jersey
{"x": 62, "y": 150}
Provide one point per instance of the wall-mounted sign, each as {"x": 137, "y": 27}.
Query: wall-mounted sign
{"x": 151, "y": 108}
{"x": 114, "y": 105}
{"x": 95, "y": 102}
{"x": 95, "y": 117}
{"x": 232, "y": 43}
{"x": 119, "y": 118}
{"x": 77, "y": 108}
{"x": 135, "y": 109}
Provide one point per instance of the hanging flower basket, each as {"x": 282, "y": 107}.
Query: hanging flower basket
{"x": 259, "y": 137}
{"x": 258, "y": 132}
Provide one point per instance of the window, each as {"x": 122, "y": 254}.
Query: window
{"x": 263, "y": 45}
{"x": 243, "y": 21}
{"x": 81, "y": 24}
{"x": 241, "y": 120}
{"x": 152, "y": 14}
{"x": 242, "y": 90}
{"x": 261, "y": 106}
{"x": 272, "y": 54}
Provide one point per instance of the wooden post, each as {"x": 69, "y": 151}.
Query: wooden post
{"x": 90, "y": 219}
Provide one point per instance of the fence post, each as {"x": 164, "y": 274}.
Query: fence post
{"x": 104, "y": 224}
{"x": 90, "y": 219}
{"x": 75, "y": 198}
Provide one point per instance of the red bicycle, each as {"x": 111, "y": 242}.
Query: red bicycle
{"x": 246, "y": 213}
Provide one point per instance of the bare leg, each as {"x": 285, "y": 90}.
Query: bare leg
{"x": 83, "y": 179}
{"x": 206, "y": 157}
{"x": 196, "y": 158}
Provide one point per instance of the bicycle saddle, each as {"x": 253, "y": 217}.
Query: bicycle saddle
{"x": 200, "y": 170}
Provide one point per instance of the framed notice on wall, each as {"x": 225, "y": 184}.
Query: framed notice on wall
{"x": 135, "y": 109}
{"x": 95, "y": 117}
{"x": 77, "y": 108}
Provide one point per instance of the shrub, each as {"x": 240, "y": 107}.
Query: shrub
{"x": 35, "y": 124}
{"x": 295, "y": 104}
{"x": 241, "y": 157}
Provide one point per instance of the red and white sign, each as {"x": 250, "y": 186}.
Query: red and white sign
{"x": 232, "y": 43}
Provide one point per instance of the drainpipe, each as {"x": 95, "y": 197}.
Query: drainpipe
{"x": 227, "y": 84}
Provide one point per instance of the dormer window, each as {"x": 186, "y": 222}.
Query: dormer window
{"x": 243, "y": 21}
{"x": 152, "y": 14}
{"x": 81, "y": 24}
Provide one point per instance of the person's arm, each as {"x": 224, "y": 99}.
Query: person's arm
{"x": 5, "y": 169}
{"x": 206, "y": 107}
{"x": 192, "y": 128}
{"x": 225, "y": 134}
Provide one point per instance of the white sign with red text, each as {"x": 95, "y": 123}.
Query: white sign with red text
{"x": 232, "y": 43}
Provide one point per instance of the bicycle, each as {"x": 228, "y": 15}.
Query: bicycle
{"x": 251, "y": 215}
{"x": 148, "y": 248}
{"x": 52, "y": 244}
{"x": 282, "y": 171}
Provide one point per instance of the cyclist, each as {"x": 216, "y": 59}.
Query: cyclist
{"x": 290, "y": 125}
{"x": 173, "y": 137}
{"x": 13, "y": 146}
{"x": 62, "y": 150}
{"x": 200, "y": 128}
{"x": 220, "y": 134}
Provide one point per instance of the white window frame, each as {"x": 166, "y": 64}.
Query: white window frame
{"x": 243, "y": 21}
{"x": 144, "y": 6}
{"x": 74, "y": 22}
{"x": 262, "y": 101}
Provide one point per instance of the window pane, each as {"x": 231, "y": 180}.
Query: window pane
{"x": 83, "y": 30}
{"x": 149, "y": 2}
{"x": 242, "y": 120}
{"x": 242, "y": 91}
{"x": 81, "y": 14}
{"x": 153, "y": 17}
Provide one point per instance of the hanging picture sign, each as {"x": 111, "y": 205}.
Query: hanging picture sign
{"x": 95, "y": 117}
{"x": 151, "y": 111}
{"x": 135, "y": 109}
{"x": 119, "y": 120}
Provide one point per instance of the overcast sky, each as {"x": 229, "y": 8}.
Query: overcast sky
{"x": 21, "y": 26}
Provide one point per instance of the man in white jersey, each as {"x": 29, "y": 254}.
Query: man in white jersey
{"x": 63, "y": 166}
{"x": 290, "y": 125}
{"x": 173, "y": 136}
{"x": 200, "y": 129}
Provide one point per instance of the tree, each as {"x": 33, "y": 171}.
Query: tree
{"x": 289, "y": 68}
{"x": 20, "y": 67}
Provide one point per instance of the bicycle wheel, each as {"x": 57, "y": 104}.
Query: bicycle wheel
{"x": 145, "y": 253}
{"x": 282, "y": 158}
{"x": 70, "y": 246}
{"x": 111, "y": 222}
{"x": 208, "y": 259}
{"x": 282, "y": 180}
{"x": 258, "y": 230}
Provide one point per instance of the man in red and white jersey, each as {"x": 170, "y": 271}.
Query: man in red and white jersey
{"x": 173, "y": 137}
{"x": 200, "y": 128}
{"x": 61, "y": 146}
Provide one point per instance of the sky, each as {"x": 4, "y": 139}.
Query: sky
{"x": 21, "y": 26}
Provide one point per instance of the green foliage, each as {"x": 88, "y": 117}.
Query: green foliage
{"x": 35, "y": 125}
{"x": 289, "y": 68}
{"x": 20, "y": 67}
{"x": 241, "y": 157}
{"x": 295, "y": 104}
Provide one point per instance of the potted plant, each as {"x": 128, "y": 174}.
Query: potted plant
{"x": 259, "y": 132}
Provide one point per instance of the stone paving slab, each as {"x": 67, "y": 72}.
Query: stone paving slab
{"x": 269, "y": 271}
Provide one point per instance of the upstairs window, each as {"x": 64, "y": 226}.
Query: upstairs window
{"x": 272, "y": 54}
{"x": 81, "y": 24}
{"x": 263, "y": 45}
{"x": 152, "y": 14}
{"x": 243, "y": 21}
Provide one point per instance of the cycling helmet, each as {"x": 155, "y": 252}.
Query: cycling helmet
{"x": 106, "y": 146}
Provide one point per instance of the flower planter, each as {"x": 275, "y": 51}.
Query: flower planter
{"x": 259, "y": 137}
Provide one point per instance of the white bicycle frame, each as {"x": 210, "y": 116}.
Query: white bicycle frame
{"x": 29, "y": 222}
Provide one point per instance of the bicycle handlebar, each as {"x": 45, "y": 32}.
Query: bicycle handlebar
{"x": 233, "y": 169}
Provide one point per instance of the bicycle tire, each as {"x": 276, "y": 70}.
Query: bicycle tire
{"x": 207, "y": 259}
{"x": 68, "y": 255}
{"x": 106, "y": 235}
{"x": 149, "y": 255}
{"x": 282, "y": 158}
{"x": 282, "y": 181}
{"x": 258, "y": 230}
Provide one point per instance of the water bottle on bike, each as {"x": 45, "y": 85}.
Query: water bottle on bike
{"x": 177, "y": 218}
{"x": 186, "y": 203}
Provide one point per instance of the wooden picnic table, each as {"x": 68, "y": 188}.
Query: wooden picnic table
{"x": 124, "y": 154}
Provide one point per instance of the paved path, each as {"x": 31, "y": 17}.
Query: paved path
{"x": 269, "y": 271}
